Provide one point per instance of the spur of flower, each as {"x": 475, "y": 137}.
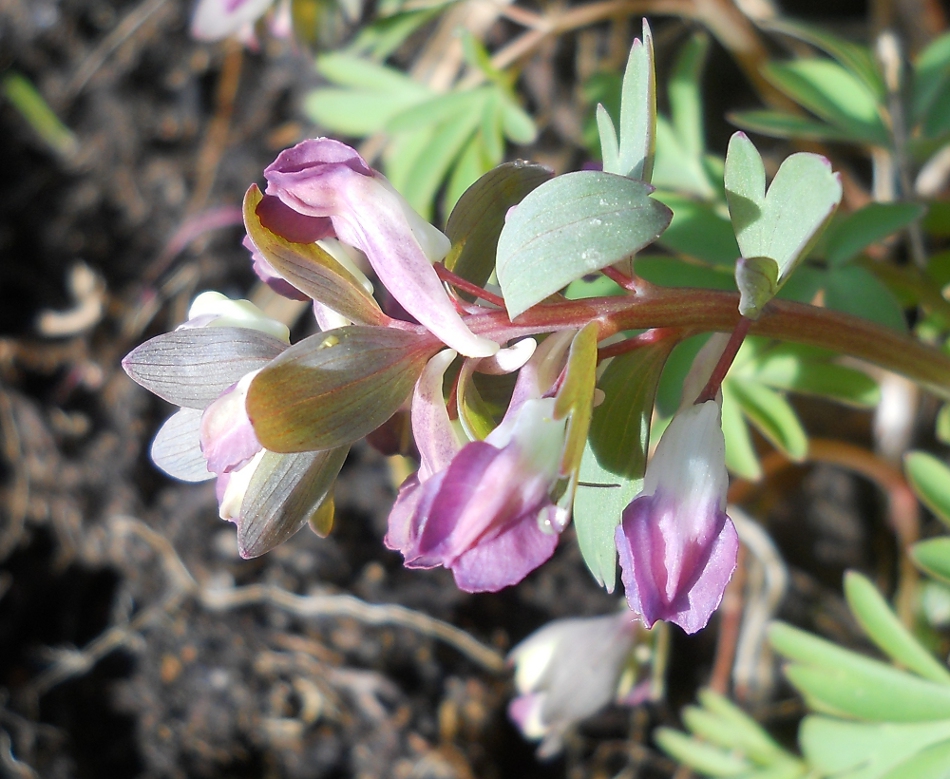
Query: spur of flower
{"x": 677, "y": 546}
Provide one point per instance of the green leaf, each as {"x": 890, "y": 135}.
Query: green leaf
{"x": 477, "y": 219}
{"x": 858, "y": 60}
{"x": 285, "y": 491}
{"x": 677, "y": 171}
{"x": 518, "y": 125}
{"x": 454, "y": 107}
{"x": 772, "y": 416}
{"x": 741, "y": 458}
{"x": 833, "y": 94}
{"x": 333, "y": 388}
{"x": 929, "y": 763}
{"x": 708, "y": 760}
{"x": 841, "y": 682}
{"x": 784, "y": 222}
{"x": 638, "y": 111}
{"x": 570, "y": 226}
{"x": 792, "y": 368}
{"x": 778, "y": 124}
{"x": 698, "y": 230}
{"x": 609, "y": 148}
{"x": 757, "y": 280}
{"x": 855, "y": 290}
{"x": 686, "y": 107}
{"x": 930, "y": 479}
{"x": 25, "y": 98}
{"x": 933, "y": 557}
{"x": 742, "y": 732}
{"x": 855, "y": 750}
{"x": 615, "y": 455}
{"x": 352, "y": 71}
{"x": 883, "y": 627}
{"x": 847, "y": 237}
{"x": 931, "y": 80}
{"x": 310, "y": 269}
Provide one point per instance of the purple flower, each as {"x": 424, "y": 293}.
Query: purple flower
{"x": 677, "y": 546}
{"x": 569, "y": 670}
{"x": 325, "y": 179}
{"x": 483, "y": 510}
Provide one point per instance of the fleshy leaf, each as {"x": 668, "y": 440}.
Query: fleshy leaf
{"x": 930, "y": 479}
{"x": 784, "y": 222}
{"x": 333, "y": 388}
{"x": 933, "y": 557}
{"x": 863, "y": 750}
{"x": 285, "y": 492}
{"x": 571, "y": 226}
{"x": 192, "y": 367}
{"x": 886, "y": 630}
{"x": 310, "y": 269}
{"x": 757, "y": 280}
{"x": 479, "y": 216}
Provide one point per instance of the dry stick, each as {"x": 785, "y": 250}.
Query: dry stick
{"x": 125, "y": 29}
{"x": 19, "y": 495}
{"x": 216, "y": 139}
{"x": 730, "y": 622}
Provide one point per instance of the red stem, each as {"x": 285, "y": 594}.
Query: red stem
{"x": 726, "y": 359}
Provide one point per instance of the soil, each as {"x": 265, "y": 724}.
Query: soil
{"x": 133, "y": 640}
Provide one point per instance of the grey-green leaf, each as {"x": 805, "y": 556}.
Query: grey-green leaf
{"x": 784, "y": 222}
{"x": 477, "y": 219}
{"x": 571, "y": 226}
{"x": 933, "y": 557}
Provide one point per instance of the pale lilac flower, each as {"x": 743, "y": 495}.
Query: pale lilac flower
{"x": 217, "y": 19}
{"x": 569, "y": 670}
{"x": 206, "y": 367}
{"x": 483, "y": 509}
{"x": 325, "y": 179}
{"x": 677, "y": 546}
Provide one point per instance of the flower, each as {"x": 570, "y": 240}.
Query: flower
{"x": 569, "y": 670}
{"x": 206, "y": 367}
{"x": 217, "y": 19}
{"x": 677, "y": 547}
{"x": 483, "y": 509}
{"x": 324, "y": 179}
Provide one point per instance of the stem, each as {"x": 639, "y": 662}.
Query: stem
{"x": 726, "y": 359}
{"x": 467, "y": 286}
{"x": 700, "y": 310}
{"x": 652, "y": 336}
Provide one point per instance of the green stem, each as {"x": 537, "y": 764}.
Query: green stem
{"x": 699, "y": 310}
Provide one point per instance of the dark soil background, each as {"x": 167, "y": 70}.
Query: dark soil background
{"x": 133, "y": 640}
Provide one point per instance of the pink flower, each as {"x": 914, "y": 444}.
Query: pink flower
{"x": 677, "y": 546}
{"x": 325, "y": 179}
{"x": 483, "y": 509}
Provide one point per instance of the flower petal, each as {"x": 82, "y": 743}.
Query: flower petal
{"x": 325, "y": 178}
